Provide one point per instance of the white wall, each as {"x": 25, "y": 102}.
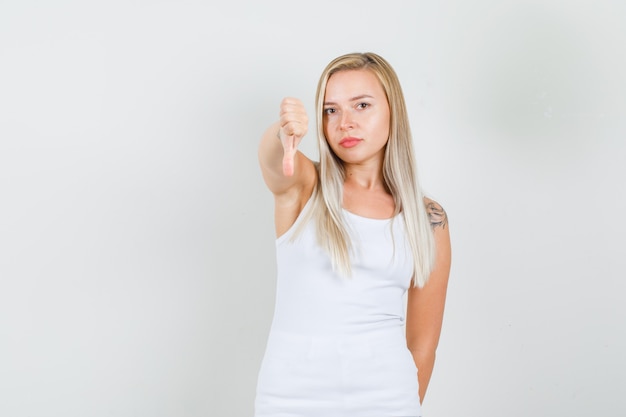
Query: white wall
{"x": 136, "y": 237}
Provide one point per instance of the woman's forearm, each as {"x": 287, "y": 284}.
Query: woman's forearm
{"x": 425, "y": 363}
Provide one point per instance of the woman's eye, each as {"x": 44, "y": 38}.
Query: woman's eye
{"x": 362, "y": 105}
{"x": 329, "y": 110}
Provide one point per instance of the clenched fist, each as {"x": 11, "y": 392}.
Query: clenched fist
{"x": 293, "y": 126}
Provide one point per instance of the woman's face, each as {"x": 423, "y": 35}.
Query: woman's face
{"x": 356, "y": 117}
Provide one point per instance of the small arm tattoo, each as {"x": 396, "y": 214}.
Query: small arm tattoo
{"x": 437, "y": 215}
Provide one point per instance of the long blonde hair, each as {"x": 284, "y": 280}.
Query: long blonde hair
{"x": 399, "y": 174}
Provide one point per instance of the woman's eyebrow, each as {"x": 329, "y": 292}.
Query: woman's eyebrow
{"x": 359, "y": 97}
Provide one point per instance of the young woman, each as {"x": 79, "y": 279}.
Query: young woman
{"x": 354, "y": 234}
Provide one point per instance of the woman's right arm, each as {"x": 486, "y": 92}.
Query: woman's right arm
{"x": 288, "y": 173}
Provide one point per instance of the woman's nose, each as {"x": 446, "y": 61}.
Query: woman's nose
{"x": 347, "y": 121}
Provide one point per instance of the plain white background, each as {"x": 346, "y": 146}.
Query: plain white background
{"x": 136, "y": 237}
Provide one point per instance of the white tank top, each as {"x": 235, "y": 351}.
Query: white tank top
{"x": 312, "y": 299}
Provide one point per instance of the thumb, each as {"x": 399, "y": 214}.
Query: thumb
{"x": 289, "y": 147}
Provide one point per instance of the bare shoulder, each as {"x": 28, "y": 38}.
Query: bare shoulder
{"x": 437, "y": 215}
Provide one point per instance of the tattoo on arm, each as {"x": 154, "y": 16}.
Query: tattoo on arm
{"x": 437, "y": 215}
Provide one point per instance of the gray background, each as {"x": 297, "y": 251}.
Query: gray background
{"x": 136, "y": 237}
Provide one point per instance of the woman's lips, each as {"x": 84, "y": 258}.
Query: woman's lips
{"x": 349, "y": 142}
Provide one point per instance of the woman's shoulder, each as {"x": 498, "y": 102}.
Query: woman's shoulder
{"x": 437, "y": 215}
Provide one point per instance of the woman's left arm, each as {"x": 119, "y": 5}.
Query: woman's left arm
{"x": 425, "y": 305}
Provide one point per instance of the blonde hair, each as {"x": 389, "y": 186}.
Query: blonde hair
{"x": 399, "y": 174}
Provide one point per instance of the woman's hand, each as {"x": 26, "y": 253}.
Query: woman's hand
{"x": 293, "y": 126}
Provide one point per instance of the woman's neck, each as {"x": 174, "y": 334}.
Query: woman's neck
{"x": 364, "y": 177}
